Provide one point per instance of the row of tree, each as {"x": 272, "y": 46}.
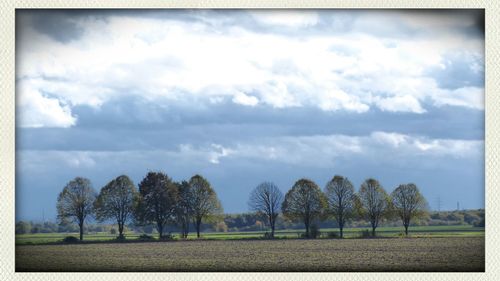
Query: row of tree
{"x": 306, "y": 202}
{"x": 159, "y": 201}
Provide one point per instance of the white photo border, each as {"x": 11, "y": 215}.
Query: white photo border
{"x": 7, "y": 134}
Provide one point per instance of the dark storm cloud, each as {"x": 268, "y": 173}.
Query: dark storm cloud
{"x": 57, "y": 24}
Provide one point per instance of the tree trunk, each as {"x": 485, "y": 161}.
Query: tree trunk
{"x": 81, "y": 231}
{"x": 120, "y": 230}
{"x": 187, "y": 229}
{"x": 198, "y": 226}
{"x": 341, "y": 228}
{"x": 406, "y": 229}
{"x": 307, "y": 229}
{"x": 272, "y": 223}
{"x": 160, "y": 229}
{"x": 373, "y": 231}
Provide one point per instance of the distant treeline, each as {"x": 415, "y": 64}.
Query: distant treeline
{"x": 254, "y": 222}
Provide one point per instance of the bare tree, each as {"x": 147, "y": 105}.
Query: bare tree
{"x": 375, "y": 202}
{"x": 266, "y": 199}
{"x": 157, "y": 203}
{"x": 204, "y": 203}
{"x": 117, "y": 200}
{"x": 75, "y": 202}
{"x": 305, "y": 202}
{"x": 341, "y": 198}
{"x": 184, "y": 207}
{"x": 408, "y": 203}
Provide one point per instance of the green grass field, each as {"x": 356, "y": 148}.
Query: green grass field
{"x": 382, "y": 254}
{"x": 416, "y": 231}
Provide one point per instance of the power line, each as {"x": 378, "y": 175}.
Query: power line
{"x": 438, "y": 203}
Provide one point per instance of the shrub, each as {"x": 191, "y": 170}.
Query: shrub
{"x": 120, "y": 238}
{"x": 112, "y": 231}
{"x": 167, "y": 237}
{"x": 145, "y": 237}
{"x": 70, "y": 239}
{"x": 332, "y": 235}
{"x": 479, "y": 223}
{"x": 314, "y": 232}
{"x": 267, "y": 235}
{"x": 365, "y": 233}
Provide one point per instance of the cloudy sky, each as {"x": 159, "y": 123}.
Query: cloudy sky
{"x": 244, "y": 96}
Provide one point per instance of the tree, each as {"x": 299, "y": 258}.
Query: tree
{"x": 117, "y": 200}
{"x": 304, "y": 202}
{"x": 184, "y": 207}
{"x": 341, "y": 198}
{"x": 23, "y": 227}
{"x": 408, "y": 203}
{"x": 75, "y": 202}
{"x": 204, "y": 201}
{"x": 375, "y": 202}
{"x": 157, "y": 201}
{"x": 266, "y": 199}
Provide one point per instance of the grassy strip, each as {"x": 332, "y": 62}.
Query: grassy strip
{"x": 417, "y": 231}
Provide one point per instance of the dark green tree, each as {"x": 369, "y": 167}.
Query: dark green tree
{"x": 205, "y": 204}
{"x": 117, "y": 200}
{"x": 304, "y": 202}
{"x": 76, "y": 202}
{"x": 157, "y": 201}
{"x": 341, "y": 198}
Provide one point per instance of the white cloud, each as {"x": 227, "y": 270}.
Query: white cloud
{"x": 176, "y": 61}
{"x": 399, "y": 104}
{"x": 393, "y": 139}
{"x": 212, "y": 153}
{"x": 307, "y": 151}
{"x": 79, "y": 159}
{"x": 325, "y": 150}
{"x": 472, "y": 97}
{"x": 38, "y": 110}
{"x": 243, "y": 99}
{"x": 288, "y": 18}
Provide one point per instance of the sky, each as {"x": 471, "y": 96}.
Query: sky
{"x": 245, "y": 96}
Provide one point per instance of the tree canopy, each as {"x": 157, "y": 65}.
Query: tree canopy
{"x": 157, "y": 201}
{"x": 304, "y": 202}
{"x": 408, "y": 203}
{"x": 375, "y": 202}
{"x": 341, "y": 198}
{"x": 117, "y": 200}
{"x": 76, "y": 202}
{"x": 266, "y": 199}
{"x": 204, "y": 203}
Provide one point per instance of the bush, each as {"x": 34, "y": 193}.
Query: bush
{"x": 365, "y": 233}
{"x": 479, "y": 223}
{"x": 314, "y": 233}
{"x": 267, "y": 235}
{"x": 167, "y": 237}
{"x": 120, "y": 238}
{"x": 112, "y": 231}
{"x": 71, "y": 239}
{"x": 332, "y": 235}
{"x": 145, "y": 237}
